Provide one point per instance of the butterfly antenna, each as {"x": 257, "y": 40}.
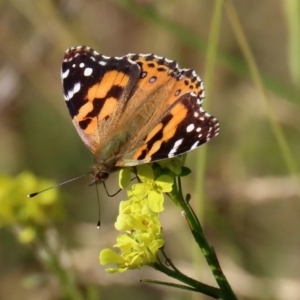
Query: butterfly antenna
{"x": 55, "y": 186}
{"x": 99, "y": 210}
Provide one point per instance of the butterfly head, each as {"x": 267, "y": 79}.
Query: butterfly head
{"x": 98, "y": 173}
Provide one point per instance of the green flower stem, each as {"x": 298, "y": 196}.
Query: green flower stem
{"x": 175, "y": 285}
{"x": 212, "y": 260}
{"x": 52, "y": 263}
{"x": 207, "y": 250}
{"x": 196, "y": 285}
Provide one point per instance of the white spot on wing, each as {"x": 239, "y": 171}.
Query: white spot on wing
{"x": 65, "y": 74}
{"x": 169, "y": 61}
{"x": 175, "y": 147}
{"x": 178, "y": 143}
{"x": 144, "y": 55}
{"x": 70, "y": 94}
{"x": 158, "y": 57}
{"x": 190, "y": 128}
{"x": 77, "y": 87}
{"x": 195, "y": 145}
{"x": 87, "y": 71}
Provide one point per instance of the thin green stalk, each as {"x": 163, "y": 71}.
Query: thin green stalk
{"x": 193, "y": 40}
{"x": 198, "y": 286}
{"x": 278, "y": 133}
{"x": 207, "y": 250}
{"x": 165, "y": 283}
{"x": 292, "y": 9}
{"x": 202, "y": 157}
{"x": 52, "y": 262}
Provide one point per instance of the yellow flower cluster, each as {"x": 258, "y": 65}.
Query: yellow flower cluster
{"x": 138, "y": 220}
{"x": 27, "y": 216}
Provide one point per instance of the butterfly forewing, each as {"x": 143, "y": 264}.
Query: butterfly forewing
{"x": 96, "y": 88}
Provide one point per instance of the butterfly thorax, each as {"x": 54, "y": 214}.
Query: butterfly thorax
{"x": 106, "y": 156}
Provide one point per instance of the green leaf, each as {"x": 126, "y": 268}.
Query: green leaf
{"x": 124, "y": 178}
{"x": 185, "y": 171}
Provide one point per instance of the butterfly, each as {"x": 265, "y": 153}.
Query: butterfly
{"x": 133, "y": 109}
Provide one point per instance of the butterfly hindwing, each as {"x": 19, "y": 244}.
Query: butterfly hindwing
{"x": 177, "y": 123}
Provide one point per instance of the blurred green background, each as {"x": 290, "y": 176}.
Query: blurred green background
{"x": 251, "y": 206}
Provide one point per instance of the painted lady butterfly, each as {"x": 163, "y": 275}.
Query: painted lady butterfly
{"x": 134, "y": 109}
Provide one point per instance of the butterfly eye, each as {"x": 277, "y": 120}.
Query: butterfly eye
{"x": 98, "y": 174}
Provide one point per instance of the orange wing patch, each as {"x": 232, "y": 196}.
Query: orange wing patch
{"x": 99, "y": 92}
{"x": 109, "y": 79}
{"x": 178, "y": 114}
{"x": 168, "y": 130}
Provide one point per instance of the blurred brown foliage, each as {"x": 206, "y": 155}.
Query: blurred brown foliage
{"x": 252, "y": 204}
